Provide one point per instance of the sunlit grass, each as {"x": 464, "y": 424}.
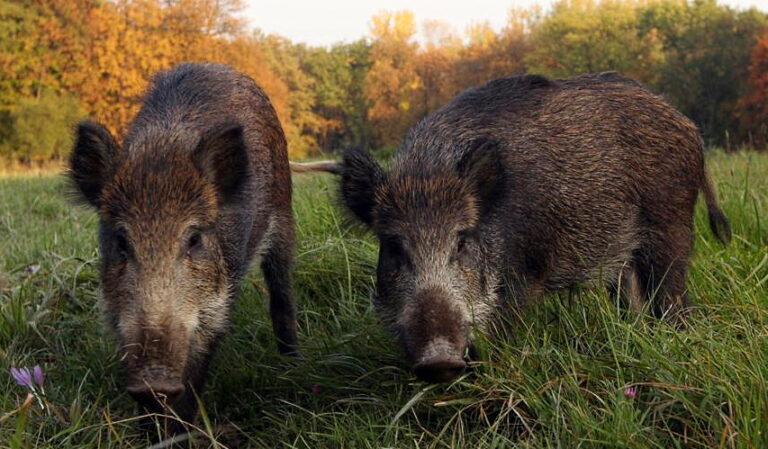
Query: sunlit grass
{"x": 556, "y": 379}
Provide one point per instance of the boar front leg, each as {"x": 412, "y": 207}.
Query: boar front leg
{"x": 276, "y": 265}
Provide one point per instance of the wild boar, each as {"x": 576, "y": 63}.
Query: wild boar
{"x": 523, "y": 186}
{"x": 199, "y": 187}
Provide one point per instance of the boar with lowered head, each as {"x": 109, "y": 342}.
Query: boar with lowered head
{"x": 198, "y": 188}
{"x": 522, "y": 186}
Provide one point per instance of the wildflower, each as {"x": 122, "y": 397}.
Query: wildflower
{"x": 38, "y": 376}
{"x": 33, "y": 380}
{"x": 316, "y": 389}
{"x": 630, "y": 392}
{"x": 31, "y": 270}
{"x": 22, "y": 376}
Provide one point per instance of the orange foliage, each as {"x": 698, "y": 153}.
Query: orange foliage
{"x": 753, "y": 110}
{"x": 408, "y": 81}
{"x": 107, "y": 52}
{"x": 392, "y": 81}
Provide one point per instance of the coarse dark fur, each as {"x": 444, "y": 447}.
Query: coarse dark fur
{"x": 200, "y": 186}
{"x": 526, "y": 185}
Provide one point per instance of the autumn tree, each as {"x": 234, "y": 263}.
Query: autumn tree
{"x": 489, "y": 55}
{"x": 198, "y": 25}
{"x": 36, "y": 111}
{"x": 21, "y": 72}
{"x": 753, "y": 109}
{"x": 97, "y": 57}
{"x": 435, "y": 66}
{"x": 246, "y": 54}
{"x": 129, "y": 44}
{"x": 392, "y": 82}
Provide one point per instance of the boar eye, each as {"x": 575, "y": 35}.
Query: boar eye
{"x": 461, "y": 243}
{"x": 194, "y": 243}
{"x": 121, "y": 244}
{"x": 394, "y": 250}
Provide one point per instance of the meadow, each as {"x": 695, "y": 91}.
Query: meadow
{"x": 574, "y": 371}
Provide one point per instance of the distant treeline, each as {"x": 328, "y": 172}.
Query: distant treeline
{"x": 61, "y": 60}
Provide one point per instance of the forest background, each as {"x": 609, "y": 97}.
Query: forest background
{"x": 63, "y": 60}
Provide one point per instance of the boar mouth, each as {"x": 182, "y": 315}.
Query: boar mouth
{"x": 156, "y": 393}
{"x": 439, "y": 370}
{"x": 439, "y": 361}
{"x": 155, "y": 387}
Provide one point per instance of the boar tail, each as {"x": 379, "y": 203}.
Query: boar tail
{"x": 717, "y": 219}
{"x": 326, "y": 166}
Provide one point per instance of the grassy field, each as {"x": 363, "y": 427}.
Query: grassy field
{"x": 558, "y": 379}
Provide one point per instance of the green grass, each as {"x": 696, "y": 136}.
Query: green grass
{"x": 555, "y": 380}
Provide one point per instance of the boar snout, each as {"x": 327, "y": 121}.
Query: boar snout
{"x": 156, "y": 365}
{"x": 439, "y": 369}
{"x": 435, "y": 331}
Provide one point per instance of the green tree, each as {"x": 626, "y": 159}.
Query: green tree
{"x": 338, "y": 75}
{"x": 706, "y": 57}
{"x": 303, "y": 123}
{"x": 42, "y": 127}
{"x": 583, "y": 36}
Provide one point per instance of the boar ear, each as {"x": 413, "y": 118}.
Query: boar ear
{"x": 222, "y": 157}
{"x": 482, "y": 167}
{"x": 361, "y": 176}
{"x": 92, "y": 160}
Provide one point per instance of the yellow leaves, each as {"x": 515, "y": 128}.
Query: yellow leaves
{"x": 397, "y": 26}
{"x": 121, "y": 44}
{"x": 370, "y": 92}
{"x": 128, "y": 44}
{"x": 481, "y": 35}
{"x": 392, "y": 80}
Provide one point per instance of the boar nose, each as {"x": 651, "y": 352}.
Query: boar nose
{"x": 162, "y": 391}
{"x": 439, "y": 369}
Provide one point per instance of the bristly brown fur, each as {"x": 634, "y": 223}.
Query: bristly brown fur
{"x": 199, "y": 188}
{"x": 543, "y": 184}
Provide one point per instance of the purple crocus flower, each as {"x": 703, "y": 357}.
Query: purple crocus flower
{"x": 22, "y": 376}
{"x": 27, "y": 378}
{"x": 38, "y": 375}
{"x": 630, "y": 392}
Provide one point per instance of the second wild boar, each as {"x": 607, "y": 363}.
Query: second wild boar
{"x": 522, "y": 186}
{"x": 199, "y": 187}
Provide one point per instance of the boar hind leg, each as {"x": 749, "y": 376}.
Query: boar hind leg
{"x": 276, "y": 265}
{"x": 631, "y": 288}
{"x": 662, "y": 268}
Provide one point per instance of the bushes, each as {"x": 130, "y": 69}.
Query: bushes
{"x": 39, "y": 130}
